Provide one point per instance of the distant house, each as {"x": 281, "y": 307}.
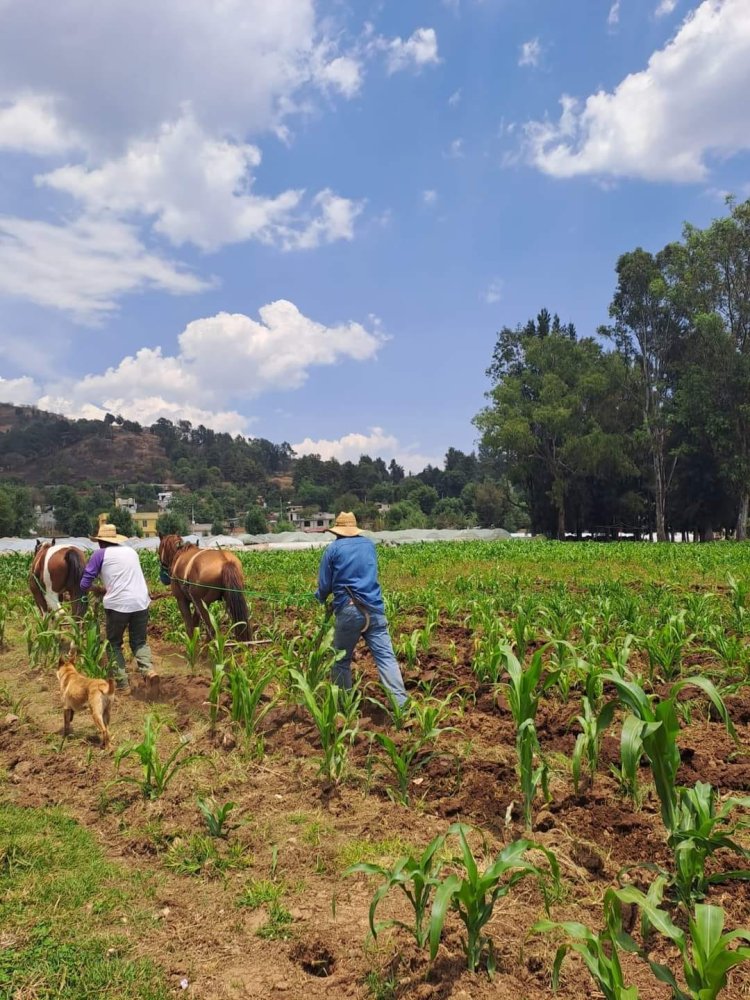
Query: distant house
{"x": 146, "y": 521}
{"x": 321, "y": 521}
{"x": 126, "y": 503}
{"x": 200, "y": 528}
{"x": 164, "y": 499}
{"x": 45, "y": 520}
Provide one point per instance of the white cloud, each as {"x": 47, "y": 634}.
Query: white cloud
{"x": 30, "y": 124}
{"x": 83, "y": 267}
{"x": 18, "y": 390}
{"x": 420, "y": 49}
{"x": 239, "y": 63}
{"x": 455, "y": 99}
{"x": 429, "y": 197}
{"x": 530, "y": 53}
{"x": 343, "y": 73}
{"x": 455, "y": 150}
{"x": 376, "y": 444}
{"x": 199, "y": 190}
{"x": 665, "y": 8}
{"x": 613, "y": 18}
{"x": 662, "y": 122}
{"x": 221, "y": 357}
{"x": 494, "y": 291}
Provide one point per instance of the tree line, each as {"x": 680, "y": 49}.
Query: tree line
{"x": 645, "y": 427}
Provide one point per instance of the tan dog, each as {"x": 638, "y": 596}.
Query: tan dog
{"x": 78, "y": 691}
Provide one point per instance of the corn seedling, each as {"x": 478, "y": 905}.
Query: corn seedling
{"x": 335, "y": 714}
{"x": 600, "y": 952}
{"x": 192, "y": 645}
{"x": 524, "y": 690}
{"x": 665, "y": 646}
{"x": 588, "y": 741}
{"x": 705, "y": 950}
{"x": 403, "y": 762}
{"x": 658, "y": 733}
{"x": 155, "y": 773}
{"x": 473, "y": 895}
{"x": 399, "y": 713}
{"x": 218, "y": 678}
{"x": 246, "y": 691}
{"x": 216, "y": 817}
{"x": 416, "y": 878}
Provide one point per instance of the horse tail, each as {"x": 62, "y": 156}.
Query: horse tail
{"x": 76, "y": 566}
{"x": 234, "y": 597}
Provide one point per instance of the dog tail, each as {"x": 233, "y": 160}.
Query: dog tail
{"x": 110, "y": 686}
{"x": 234, "y": 597}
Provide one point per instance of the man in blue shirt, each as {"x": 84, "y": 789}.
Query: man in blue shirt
{"x": 349, "y": 571}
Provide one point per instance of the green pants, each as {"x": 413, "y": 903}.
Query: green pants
{"x": 136, "y": 622}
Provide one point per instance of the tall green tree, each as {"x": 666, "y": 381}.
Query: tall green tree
{"x": 649, "y": 325}
{"x": 547, "y": 414}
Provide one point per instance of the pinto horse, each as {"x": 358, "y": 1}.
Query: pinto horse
{"x": 56, "y": 570}
{"x": 200, "y": 576}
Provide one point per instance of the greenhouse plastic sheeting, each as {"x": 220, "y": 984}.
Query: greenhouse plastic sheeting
{"x": 288, "y": 540}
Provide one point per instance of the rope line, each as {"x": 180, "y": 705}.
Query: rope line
{"x": 239, "y": 590}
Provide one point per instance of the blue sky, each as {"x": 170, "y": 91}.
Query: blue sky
{"x": 307, "y": 219}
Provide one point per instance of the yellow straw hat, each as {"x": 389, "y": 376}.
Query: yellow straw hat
{"x": 345, "y": 525}
{"x": 108, "y": 533}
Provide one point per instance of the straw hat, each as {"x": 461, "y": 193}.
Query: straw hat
{"x": 345, "y": 525}
{"x": 108, "y": 533}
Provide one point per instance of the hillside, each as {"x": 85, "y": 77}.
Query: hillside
{"x": 39, "y": 448}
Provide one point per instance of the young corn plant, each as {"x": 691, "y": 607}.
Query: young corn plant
{"x": 701, "y": 830}
{"x": 524, "y": 690}
{"x": 416, "y": 878}
{"x": 705, "y": 950}
{"x": 404, "y": 760}
{"x": 216, "y": 817}
{"x": 589, "y": 740}
{"x": 247, "y": 687}
{"x": 399, "y": 713}
{"x": 335, "y": 713}
{"x": 156, "y": 774}
{"x": 218, "y": 678}
{"x": 631, "y": 751}
{"x": 665, "y": 646}
{"x": 473, "y": 895}
{"x": 192, "y": 645}
{"x": 600, "y": 952}
{"x": 90, "y": 648}
{"x": 658, "y": 732}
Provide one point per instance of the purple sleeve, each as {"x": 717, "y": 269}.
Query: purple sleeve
{"x": 93, "y": 569}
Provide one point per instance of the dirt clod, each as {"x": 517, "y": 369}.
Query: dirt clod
{"x": 315, "y": 957}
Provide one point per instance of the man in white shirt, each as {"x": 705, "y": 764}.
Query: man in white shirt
{"x": 126, "y": 601}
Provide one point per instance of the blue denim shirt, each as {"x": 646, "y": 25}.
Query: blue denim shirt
{"x": 353, "y": 563}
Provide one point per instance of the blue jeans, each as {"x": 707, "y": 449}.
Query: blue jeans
{"x": 349, "y": 624}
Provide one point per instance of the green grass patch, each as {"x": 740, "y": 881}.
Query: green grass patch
{"x": 60, "y": 905}
{"x": 379, "y": 852}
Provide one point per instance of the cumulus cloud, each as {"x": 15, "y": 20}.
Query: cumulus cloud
{"x": 239, "y": 63}
{"x": 30, "y": 124}
{"x": 455, "y": 99}
{"x": 455, "y": 150}
{"x": 613, "y": 18}
{"x": 429, "y": 197}
{"x": 530, "y": 53}
{"x": 665, "y": 8}
{"x": 198, "y": 189}
{"x": 377, "y": 444}
{"x": 420, "y": 49}
{"x": 83, "y": 267}
{"x": 663, "y": 122}
{"x": 18, "y": 390}
{"x": 494, "y": 291}
{"x": 219, "y": 358}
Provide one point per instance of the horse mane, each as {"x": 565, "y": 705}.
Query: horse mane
{"x": 170, "y": 546}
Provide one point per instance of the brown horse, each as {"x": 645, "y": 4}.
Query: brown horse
{"x": 200, "y": 576}
{"x": 57, "y": 570}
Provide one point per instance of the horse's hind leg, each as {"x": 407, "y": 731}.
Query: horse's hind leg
{"x": 202, "y": 610}
{"x": 188, "y": 615}
{"x": 38, "y": 594}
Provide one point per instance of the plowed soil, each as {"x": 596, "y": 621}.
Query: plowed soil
{"x": 297, "y": 832}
